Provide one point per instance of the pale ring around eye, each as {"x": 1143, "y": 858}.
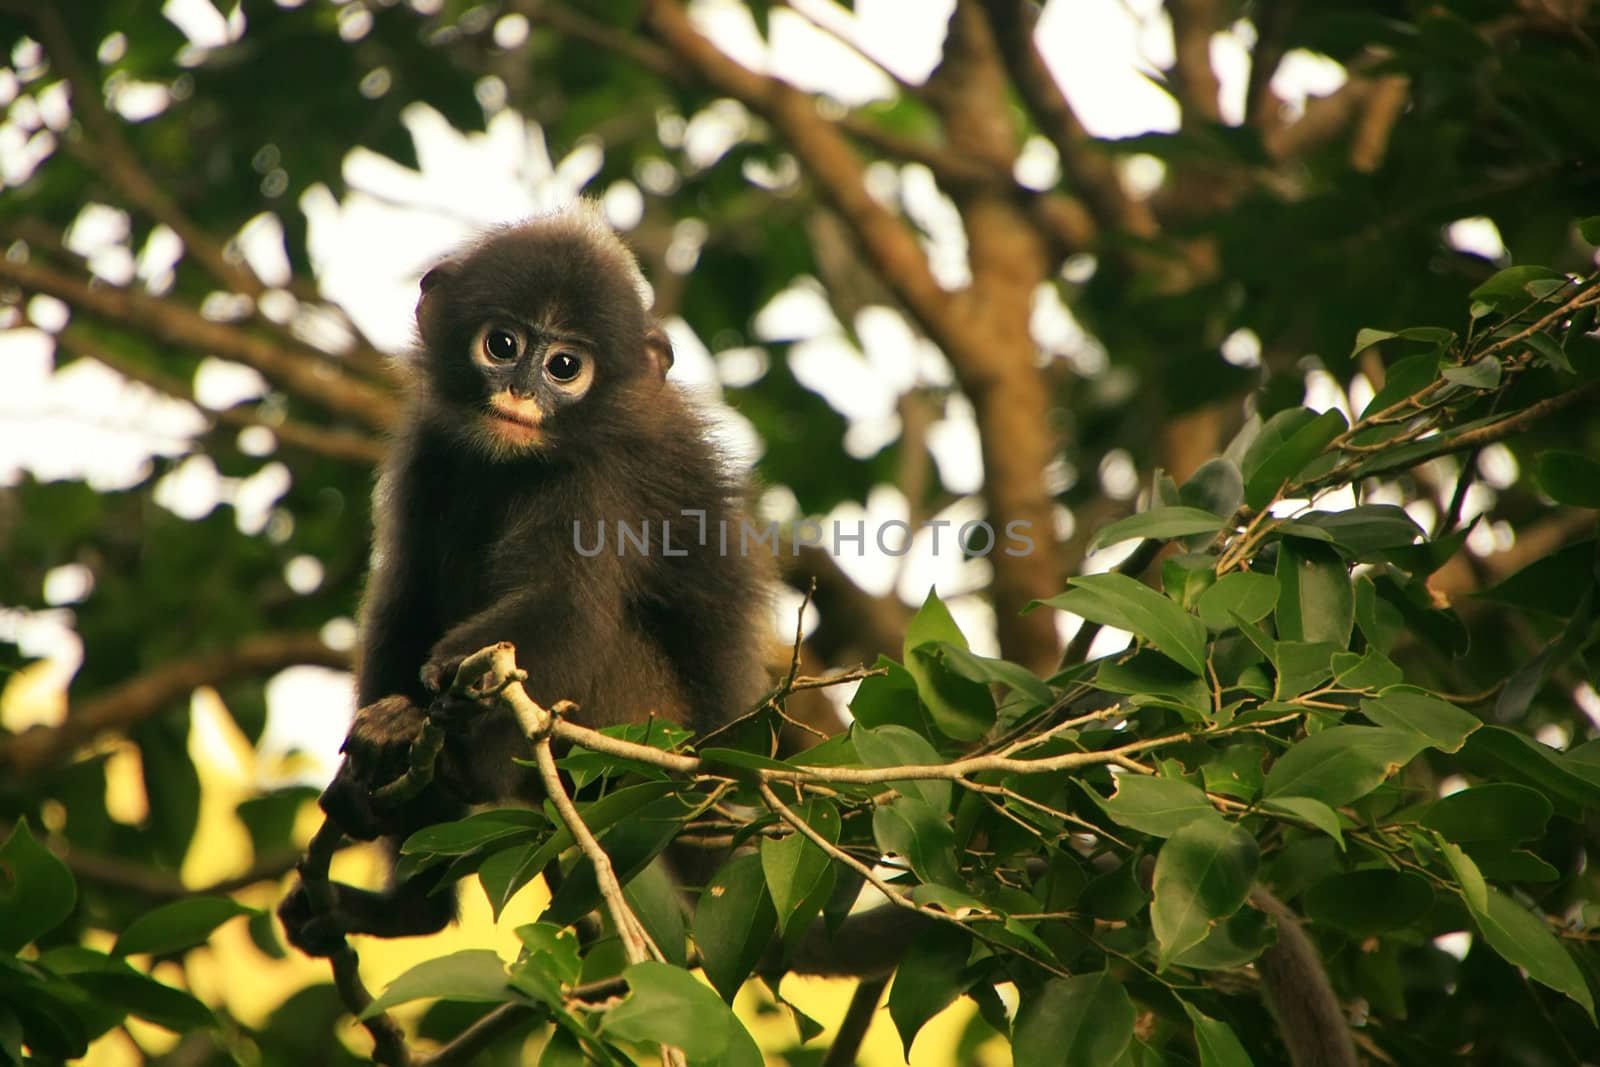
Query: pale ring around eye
{"x": 564, "y": 368}
{"x": 499, "y": 344}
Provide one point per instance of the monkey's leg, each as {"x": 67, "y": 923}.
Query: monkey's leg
{"x": 410, "y": 908}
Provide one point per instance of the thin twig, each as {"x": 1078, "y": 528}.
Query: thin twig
{"x": 634, "y": 939}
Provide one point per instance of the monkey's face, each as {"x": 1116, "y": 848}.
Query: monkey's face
{"x": 536, "y": 339}
{"x": 529, "y": 374}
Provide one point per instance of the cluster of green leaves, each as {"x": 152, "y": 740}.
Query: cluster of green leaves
{"x": 55, "y": 998}
{"x": 1260, "y": 729}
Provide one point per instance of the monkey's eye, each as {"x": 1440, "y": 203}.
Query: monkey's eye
{"x": 500, "y": 345}
{"x": 563, "y": 367}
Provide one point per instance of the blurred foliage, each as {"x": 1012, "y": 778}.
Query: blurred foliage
{"x": 1384, "y": 722}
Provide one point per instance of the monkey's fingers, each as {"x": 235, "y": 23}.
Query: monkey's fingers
{"x": 377, "y": 751}
{"x": 439, "y": 673}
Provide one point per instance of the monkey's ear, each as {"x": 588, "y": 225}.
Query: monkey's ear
{"x": 658, "y": 351}
{"x": 430, "y": 282}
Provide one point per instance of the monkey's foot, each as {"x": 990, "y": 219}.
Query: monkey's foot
{"x": 314, "y": 933}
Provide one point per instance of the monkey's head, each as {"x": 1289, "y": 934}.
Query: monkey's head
{"x": 536, "y": 329}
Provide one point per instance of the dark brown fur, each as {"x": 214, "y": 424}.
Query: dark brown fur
{"x": 475, "y": 543}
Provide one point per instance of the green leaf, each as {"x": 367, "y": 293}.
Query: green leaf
{"x": 929, "y": 979}
{"x": 1085, "y": 1020}
{"x": 1380, "y": 621}
{"x": 563, "y": 1050}
{"x": 113, "y": 984}
{"x": 1158, "y": 524}
{"x": 1445, "y": 726}
{"x": 507, "y": 871}
{"x": 1553, "y": 585}
{"x": 1402, "y": 379}
{"x": 1203, "y": 874}
{"x": 1232, "y": 942}
{"x": 895, "y": 746}
{"x": 177, "y": 926}
{"x": 1495, "y": 811}
{"x": 1507, "y": 291}
{"x": 37, "y": 891}
{"x": 996, "y": 671}
{"x": 1370, "y": 670}
{"x": 1146, "y": 675}
{"x": 556, "y": 946}
{"x": 1365, "y": 530}
{"x": 961, "y": 708}
{"x": 1215, "y": 487}
{"x": 667, "y": 1006}
{"x": 1480, "y": 374}
{"x": 1590, "y": 229}
{"x": 475, "y": 831}
{"x": 1549, "y": 353}
{"x": 1301, "y": 666}
{"x": 1287, "y": 442}
{"x": 1307, "y": 809}
{"x": 1524, "y": 939}
{"x": 1507, "y": 753}
{"x": 657, "y": 899}
{"x": 922, "y": 834}
{"x": 504, "y": 873}
{"x": 1502, "y": 863}
{"x": 1342, "y": 763}
{"x": 1366, "y": 337}
{"x": 733, "y": 923}
{"x": 1569, "y": 478}
{"x": 475, "y": 975}
{"x": 1219, "y": 1045}
{"x": 1120, "y": 601}
{"x": 1248, "y": 595}
{"x": 1474, "y": 890}
{"x": 632, "y": 844}
{"x": 1154, "y": 805}
{"x": 1315, "y": 600}
{"x": 793, "y": 865}
{"x": 1369, "y": 902}
{"x": 889, "y": 700}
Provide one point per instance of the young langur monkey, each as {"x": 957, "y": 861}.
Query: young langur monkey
{"x": 538, "y": 401}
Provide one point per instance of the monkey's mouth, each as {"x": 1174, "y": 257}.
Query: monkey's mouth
{"x": 514, "y": 426}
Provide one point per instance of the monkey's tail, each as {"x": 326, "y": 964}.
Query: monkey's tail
{"x": 1297, "y": 990}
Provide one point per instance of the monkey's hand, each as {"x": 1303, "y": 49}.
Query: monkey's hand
{"x": 439, "y": 675}
{"x": 376, "y": 752}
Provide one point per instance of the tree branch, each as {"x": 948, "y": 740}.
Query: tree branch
{"x": 110, "y": 155}
{"x": 1384, "y": 106}
{"x": 1262, "y": 108}
{"x": 1088, "y": 170}
{"x": 164, "y": 320}
{"x": 146, "y": 881}
{"x": 1195, "y": 83}
{"x": 142, "y": 698}
{"x": 341, "y": 445}
{"x": 822, "y": 149}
